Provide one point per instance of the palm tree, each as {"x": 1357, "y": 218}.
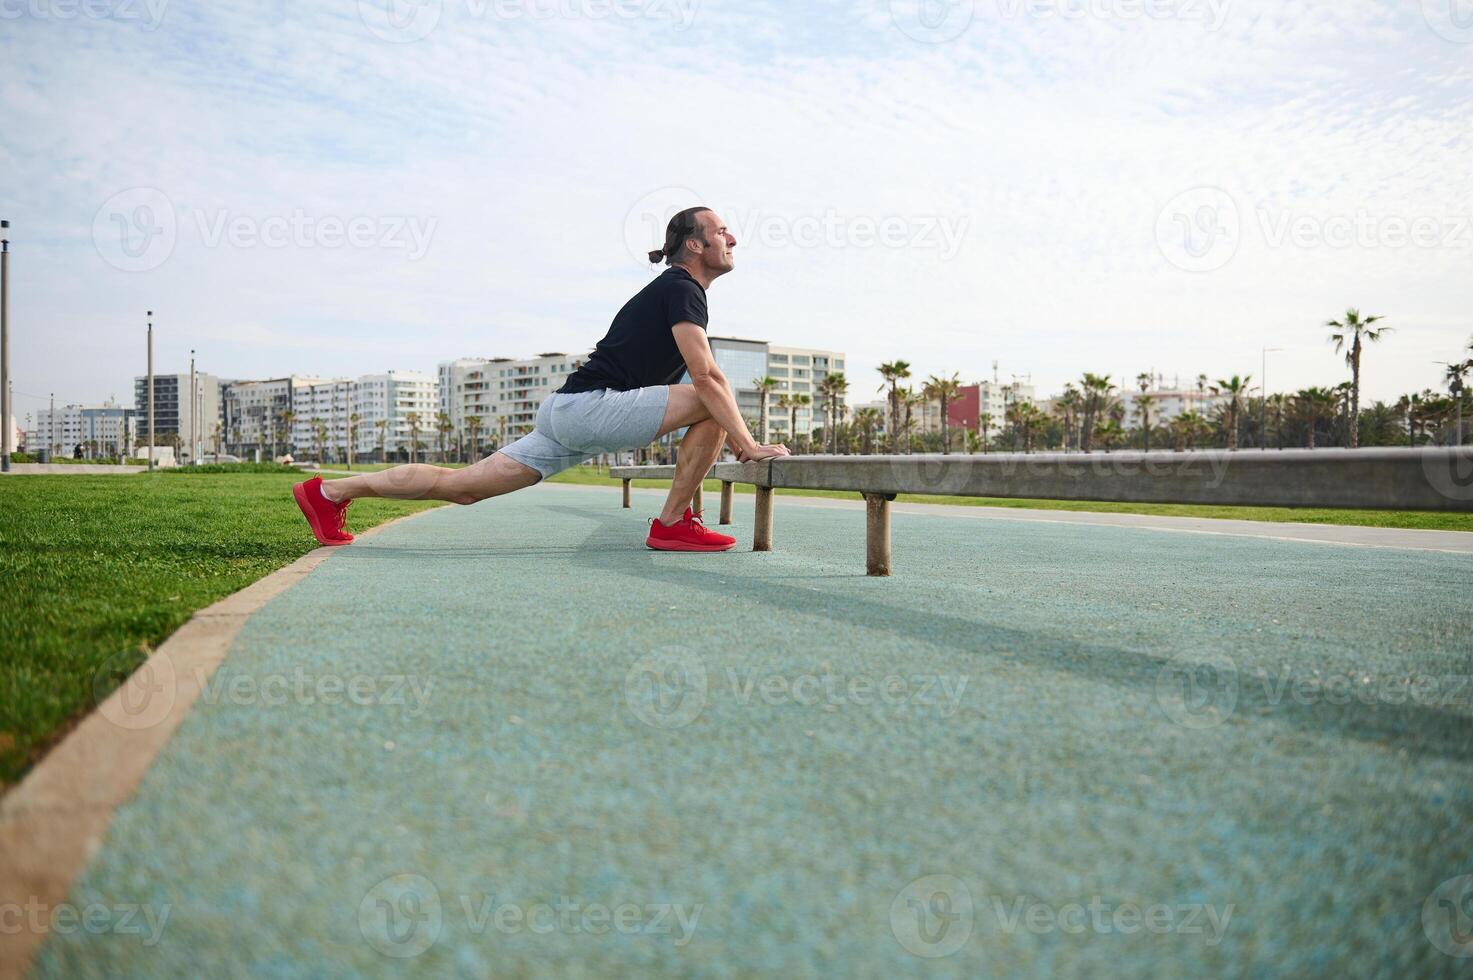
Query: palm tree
{"x": 834, "y": 386}
{"x": 944, "y": 390}
{"x": 1311, "y": 405}
{"x": 1143, "y": 406}
{"x": 217, "y": 432}
{"x": 1276, "y": 405}
{"x": 319, "y": 438}
{"x": 909, "y": 401}
{"x": 984, "y": 422}
{"x": 785, "y": 407}
{"x": 473, "y": 426}
{"x": 1187, "y": 428}
{"x": 894, "y": 373}
{"x": 413, "y": 419}
{"x": 1351, "y": 330}
{"x": 796, "y": 402}
{"x": 353, "y": 419}
{"x": 382, "y": 425}
{"x": 1235, "y": 388}
{"x": 973, "y": 441}
{"x": 868, "y": 419}
{"x": 443, "y": 426}
{"x": 288, "y": 419}
{"x": 1096, "y": 390}
{"x": 1068, "y": 407}
{"x": 765, "y": 386}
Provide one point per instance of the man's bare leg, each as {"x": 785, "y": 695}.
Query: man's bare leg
{"x": 698, "y": 450}
{"x": 493, "y": 476}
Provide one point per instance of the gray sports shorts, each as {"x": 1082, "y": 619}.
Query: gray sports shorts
{"x": 574, "y": 427}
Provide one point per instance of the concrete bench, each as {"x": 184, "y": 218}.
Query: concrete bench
{"x": 1427, "y": 478}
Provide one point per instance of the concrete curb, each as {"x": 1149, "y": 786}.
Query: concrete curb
{"x": 53, "y": 823}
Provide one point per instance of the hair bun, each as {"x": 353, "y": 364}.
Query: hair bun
{"x": 657, "y": 255}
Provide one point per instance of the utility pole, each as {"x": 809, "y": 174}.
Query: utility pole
{"x": 6, "y": 405}
{"x": 193, "y": 415}
{"x": 151, "y": 443}
{"x": 51, "y": 426}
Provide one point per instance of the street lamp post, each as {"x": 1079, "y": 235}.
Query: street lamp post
{"x": 1263, "y": 401}
{"x": 5, "y": 406}
{"x": 192, "y": 418}
{"x": 152, "y": 446}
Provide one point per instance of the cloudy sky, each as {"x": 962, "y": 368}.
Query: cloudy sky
{"x": 1060, "y": 186}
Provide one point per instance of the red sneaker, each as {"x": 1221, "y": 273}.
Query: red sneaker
{"x": 327, "y": 519}
{"x": 686, "y": 534}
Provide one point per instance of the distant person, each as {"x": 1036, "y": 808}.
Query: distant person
{"x": 624, "y": 397}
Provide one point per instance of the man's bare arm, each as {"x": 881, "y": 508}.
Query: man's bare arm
{"x": 716, "y": 395}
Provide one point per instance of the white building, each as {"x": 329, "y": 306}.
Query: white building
{"x": 101, "y": 430}
{"x": 799, "y": 370}
{"x": 254, "y": 414}
{"x": 322, "y": 415}
{"x": 391, "y": 408}
{"x": 503, "y": 393}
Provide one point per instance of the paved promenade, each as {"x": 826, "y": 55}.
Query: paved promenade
{"x": 507, "y": 740}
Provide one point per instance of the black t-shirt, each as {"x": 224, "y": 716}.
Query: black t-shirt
{"x": 639, "y": 350}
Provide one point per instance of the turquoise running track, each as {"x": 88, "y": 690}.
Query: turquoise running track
{"x": 507, "y": 740}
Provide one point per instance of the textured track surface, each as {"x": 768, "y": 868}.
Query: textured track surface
{"x": 1040, "y": 749}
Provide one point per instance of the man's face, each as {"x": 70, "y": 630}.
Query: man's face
{"x": 714, "y": 244}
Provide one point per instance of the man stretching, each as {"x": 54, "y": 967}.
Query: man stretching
{"x": 624, "y": 397}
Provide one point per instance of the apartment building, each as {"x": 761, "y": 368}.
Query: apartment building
{"x": 176, "y": 420}
{"x": 322, "y": 417}
{"x": 254, "y": 413}
{"x": 100, "y": 430}
{"x": 799, "y": 371}
{"x": 503, "y": 392}
{"x": 396, "y": 414}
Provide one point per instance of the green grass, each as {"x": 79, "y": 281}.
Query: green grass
{"x": 98, "y": 570}
{"x": 1411, "y": 519}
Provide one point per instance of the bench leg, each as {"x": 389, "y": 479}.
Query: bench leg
{"x": 762, "y": 522}
{"x": 877, "y": 534}
{"x": 695, "y": 499}
{"x": 725, "y": 502}
{"x": 626, "y": 494}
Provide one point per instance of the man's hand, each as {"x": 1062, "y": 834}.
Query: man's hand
{"x": 759, "y": 451}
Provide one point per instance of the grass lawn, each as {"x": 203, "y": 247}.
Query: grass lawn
{"x": 1415, "y": 519}
{"x": 100, "y": 569}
